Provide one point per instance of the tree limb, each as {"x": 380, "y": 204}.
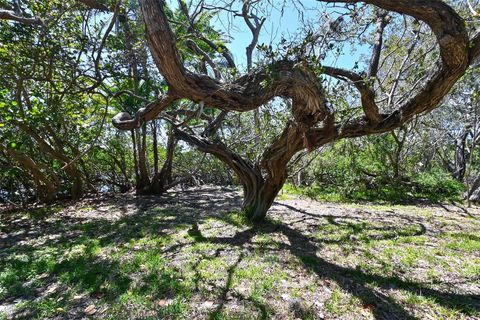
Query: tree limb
{"x": 11, "y": 15}
{"x": 295, "y": 81}
{"x": 382, "y": 21}
{"x": 241, "y": 166}
{"x": 124, "y": 121}
{"x": 16, "y": 16}
{"x": 367, "y": 94}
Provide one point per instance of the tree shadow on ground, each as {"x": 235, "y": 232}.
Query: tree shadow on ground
{"x": 358, "y": 282}
{"x": 355, "y": 281}
{"x": 160, "y": 216}
{"x": 24, "y": 235}
{"x": 239, "y": 240}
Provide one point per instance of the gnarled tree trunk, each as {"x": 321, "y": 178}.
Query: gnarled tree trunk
{"x": 258, "y": 198}
{"x": 313, "y": 124}
{"x": 261, "y": 181}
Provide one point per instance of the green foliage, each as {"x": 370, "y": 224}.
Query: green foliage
{"x": 364, "y": 170}
{"x": 437, "y": 184}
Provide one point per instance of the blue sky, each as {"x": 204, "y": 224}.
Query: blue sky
{"x": 287, "y": 24}
{"x": 281, "y": 22}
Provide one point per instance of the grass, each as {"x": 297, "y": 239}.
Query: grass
{"x": 160, "y": 261}
{"x": 385, "y": 193}
{"x": 463, "y": 242}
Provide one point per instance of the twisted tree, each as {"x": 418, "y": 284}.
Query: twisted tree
{"x": 297, "y": 79}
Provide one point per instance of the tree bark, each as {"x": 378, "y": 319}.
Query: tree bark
{"x": 261, "y": 181}
{"x": 161, "y": 180}
{"x": 46, "y": 189}
{"x": 143, "y": 182}
{"x": 461, "y": 156}
{"x": 259, "y": 197}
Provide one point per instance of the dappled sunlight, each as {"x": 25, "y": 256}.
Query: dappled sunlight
{"x": 192, "y": 255}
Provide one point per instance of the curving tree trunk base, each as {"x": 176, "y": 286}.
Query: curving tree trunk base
{"x": 157, "y": 186}
{"x": 255, "y": 211}
{"x": 258, "y": 199}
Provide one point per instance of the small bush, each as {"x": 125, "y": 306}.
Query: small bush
{"x": 432, "y": 185}
{"x": 438, "y": 185}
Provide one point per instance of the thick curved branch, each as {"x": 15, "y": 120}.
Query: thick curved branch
{"x": 283, "y": 148}
{"x": 453, "y": 41}
{"x": 242, "y": 167}
{"x": 367, "y": 94}
{"x": 124, "y": 121}
{"x": 291, "y": 80}
{"x": 163, "y": 45}
{"x": 11, "y": 15}
{"x": 446, "y": 24}
{"x": 246, "y": 93}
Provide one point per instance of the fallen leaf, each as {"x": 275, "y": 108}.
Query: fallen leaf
{"x": 90, "y": 310}
{"x": 162, "y": 303}
{"x": 208, "y": 304}
{"x": 52, "y": 289}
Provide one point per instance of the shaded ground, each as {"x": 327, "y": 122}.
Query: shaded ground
{"x": 189, "y": 255}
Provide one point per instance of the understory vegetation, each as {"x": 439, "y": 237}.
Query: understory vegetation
{"x": 339, "y": 176}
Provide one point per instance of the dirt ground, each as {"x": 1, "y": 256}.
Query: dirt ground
{"x": 190, "y": 255}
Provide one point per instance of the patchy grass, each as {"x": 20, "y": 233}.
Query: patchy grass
{"x": 192, "y": 256}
